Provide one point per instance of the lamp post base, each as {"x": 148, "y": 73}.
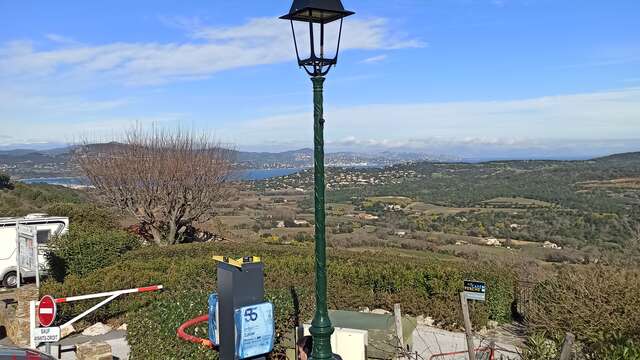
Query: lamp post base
{"x": 333, "y": 357}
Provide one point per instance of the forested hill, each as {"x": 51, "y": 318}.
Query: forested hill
{"x": 609, "y": 184}
{"x": 574, "y": 202}
{"x": 625, "y": 157}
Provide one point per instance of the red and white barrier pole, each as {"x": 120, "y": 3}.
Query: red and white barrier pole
{"x": 110, "y": 296}
{"x": 110, "y": 293}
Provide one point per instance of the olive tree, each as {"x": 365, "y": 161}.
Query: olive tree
{"x": 167, "y": 180}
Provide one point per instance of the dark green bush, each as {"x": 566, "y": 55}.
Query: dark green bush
{"x": 5, "y": 181}
{"x": 87, "y": 248}
{"x": 422, "y": 285}
{"x": 20, "y": 199}
{"x": 82, "y": 215}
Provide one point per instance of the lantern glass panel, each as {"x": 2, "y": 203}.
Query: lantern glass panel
{"x": 326, "y": 48}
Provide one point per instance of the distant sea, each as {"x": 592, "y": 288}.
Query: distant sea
{"x": 247, "y": 175}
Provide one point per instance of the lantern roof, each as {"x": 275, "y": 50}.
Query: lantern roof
{"x": 317, "y": 11}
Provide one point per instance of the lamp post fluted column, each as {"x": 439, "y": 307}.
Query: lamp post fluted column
{"x": 316, "y": 14}
{"x": 321, "y": 328}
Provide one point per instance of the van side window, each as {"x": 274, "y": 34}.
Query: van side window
{"x": 43, "y": 236}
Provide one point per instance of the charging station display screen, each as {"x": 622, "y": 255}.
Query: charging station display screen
{"x": 255, "y": 330}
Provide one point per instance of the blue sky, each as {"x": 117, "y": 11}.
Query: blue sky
{"x": 460, "y": 77}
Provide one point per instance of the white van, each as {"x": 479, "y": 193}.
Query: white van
{"x": 46, "y": 227}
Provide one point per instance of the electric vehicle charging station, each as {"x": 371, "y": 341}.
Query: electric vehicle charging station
{"x": 241, "y": 324}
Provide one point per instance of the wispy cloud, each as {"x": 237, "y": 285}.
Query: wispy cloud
{"x": 13, "y": 103}
{"x": 499, "y": 3}
{"x": 374, "y": 59}
{"x": 611, "y": 56}
{"x": 212, "y": 49}
{"x": 98, "y": 129}
{"x": 61, "y": 39}
{"x": 595, "y": 116}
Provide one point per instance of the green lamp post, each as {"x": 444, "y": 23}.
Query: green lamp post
{"x": 322, "y": 17}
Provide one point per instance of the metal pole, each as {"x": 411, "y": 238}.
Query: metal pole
{"x": 35, "y": 254}
{"x": 18, "y": 253}
{"x": 397, "y": 314}
{"x": 32, "y": 323}
{"x": 467, "y": 326}
{"x": 321, "y": 328}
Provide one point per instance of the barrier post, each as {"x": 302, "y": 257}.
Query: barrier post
{"x": 467, "y": 325}
{"x": 32, "y": 323}
{"x": 35, "y": 254}
{"x": 18, "y": 253}
{"x": 397, "y": 314}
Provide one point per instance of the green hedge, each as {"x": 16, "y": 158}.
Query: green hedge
{"x": 82, "y": 215}
{"x": 422, "y": 285}
{"x": 598, "y": 304}
{"x": 86, "y": 248}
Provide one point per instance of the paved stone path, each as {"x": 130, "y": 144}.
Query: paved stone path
{"x": 116, "y": 338}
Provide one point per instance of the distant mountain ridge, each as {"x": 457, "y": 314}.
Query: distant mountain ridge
{"x": 630, "y": 156}
{"x": 57, "y": 162}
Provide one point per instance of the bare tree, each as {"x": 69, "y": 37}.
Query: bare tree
{"x": 167, "y": 180}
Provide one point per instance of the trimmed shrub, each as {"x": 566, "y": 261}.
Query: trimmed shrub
{"x": 151, "y": 332}
{"x": 422, "y": 285}
{"x": 87, "y": 248}
{"x": 587, "y": 301}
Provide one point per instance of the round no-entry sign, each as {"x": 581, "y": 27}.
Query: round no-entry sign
{"x": 46, "y": 310}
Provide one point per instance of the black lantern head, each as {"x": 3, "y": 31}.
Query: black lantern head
{"x": 317, "y": 11}
{"x": 320, "y": 13}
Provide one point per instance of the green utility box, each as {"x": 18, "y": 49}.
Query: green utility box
{"x": 381, "y": 331}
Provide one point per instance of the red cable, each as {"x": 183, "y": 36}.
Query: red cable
{"x": 190, "y": 338}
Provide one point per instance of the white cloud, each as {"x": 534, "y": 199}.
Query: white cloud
{"x": 592, "y": 116}
{"x": 499, "y": 3}
{"x": 374, "y": 59}
{"x": 61, "y": 39}
{"x": 213, "y": 49}
{"x": 100, "y": 129}
{"x": 600, "y": 116}
{"x": 15, "y": 103}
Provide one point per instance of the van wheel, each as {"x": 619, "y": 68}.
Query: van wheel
{"x": 10, "y": 280}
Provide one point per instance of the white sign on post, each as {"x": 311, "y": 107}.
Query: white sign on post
{"x": 27, "y": 242}
{"x": 27, "y": 257}
{"x": 475, "y": 290}
{"x": 46, "y": 335}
